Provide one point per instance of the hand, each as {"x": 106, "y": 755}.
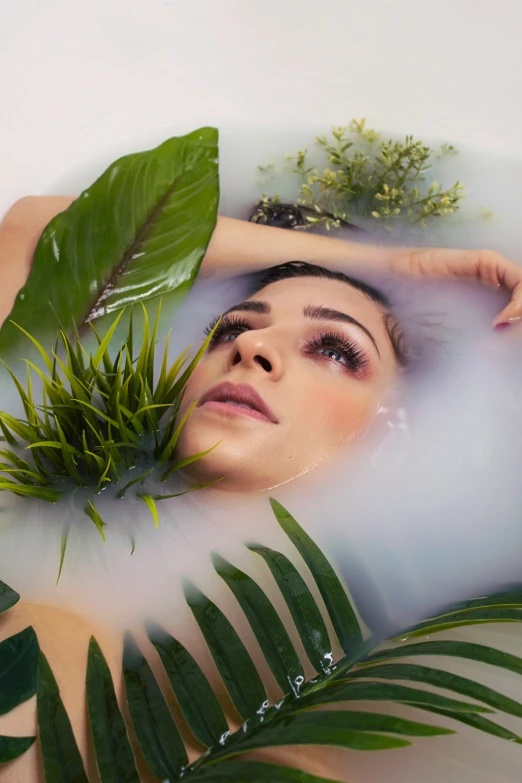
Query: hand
{"x": 485, "y": 265}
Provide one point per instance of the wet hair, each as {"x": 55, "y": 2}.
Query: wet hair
{"x": 293, "y": 269}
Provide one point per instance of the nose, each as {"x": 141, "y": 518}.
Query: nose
{"x": 257, "y": 350}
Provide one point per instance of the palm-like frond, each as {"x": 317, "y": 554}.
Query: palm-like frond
{"x": 367, "y": 673}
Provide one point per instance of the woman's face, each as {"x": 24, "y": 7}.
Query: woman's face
{"x": 292, "y": 374}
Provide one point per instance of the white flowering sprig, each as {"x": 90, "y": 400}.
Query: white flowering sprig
{"x": 369, "y": 178}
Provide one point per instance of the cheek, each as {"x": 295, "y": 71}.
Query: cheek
{"x": 203, "y": 377}
{"x": 343, "y": 413}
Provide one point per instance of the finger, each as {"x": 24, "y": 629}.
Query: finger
{"x": 512, "y": 313}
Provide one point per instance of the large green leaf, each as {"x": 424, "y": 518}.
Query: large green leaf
{"x": 62, "y": 761}
{"x": 114, "y": 755}
{"x": 141, "y": 230}
{"x": 13, "y": 747}
{"x": 8, "y": 597}
{"x": 268, "y": 628}
{"x": 339, "y": 608}
{"x": 18, "y": 662}
{"x": 195, "y": 696}
{"x": 234, "y": 664}
{"x": 156, "y": 731}
{"x": 254, "y": 772}
{"x": 303, "y": 608}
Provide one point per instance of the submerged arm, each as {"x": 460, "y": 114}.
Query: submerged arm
{"x": 238, "y": 246}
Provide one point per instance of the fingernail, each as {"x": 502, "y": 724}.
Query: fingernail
{"x": 502, "y": 325}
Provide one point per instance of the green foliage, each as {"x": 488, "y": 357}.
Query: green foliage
{"x": 18, "y": 656}
{"x": 18, "y": 660}
{"x": 367, "y": 177}
{"x": 368, "y": 673}
{"x": 114, "y": 756}
{"x": 140, "y": 231}
{"x": 62, "y": 761}
{"x": 98, "y": 418}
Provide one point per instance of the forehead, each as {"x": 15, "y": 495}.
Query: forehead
{"x": 291, "y": 296}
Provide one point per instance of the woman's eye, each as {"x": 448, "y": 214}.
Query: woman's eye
{"x": 331, "y": 353}
{"x": 230, "y": 337}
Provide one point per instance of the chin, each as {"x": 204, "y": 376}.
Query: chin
{"x": 229, "y": 468}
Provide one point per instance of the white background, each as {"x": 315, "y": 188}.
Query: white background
{"x": 77, "y": 77}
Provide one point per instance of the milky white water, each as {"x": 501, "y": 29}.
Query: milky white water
{"x": 425, "y": 510}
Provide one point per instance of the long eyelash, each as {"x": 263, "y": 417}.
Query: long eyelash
{"x": 355, "y": 357}
{"x": 225, "y": 325}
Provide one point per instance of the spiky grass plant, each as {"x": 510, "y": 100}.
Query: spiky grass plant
{"x": 99, "y": 418}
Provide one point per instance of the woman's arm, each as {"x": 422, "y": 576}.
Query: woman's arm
{"x": 238, "y": 246}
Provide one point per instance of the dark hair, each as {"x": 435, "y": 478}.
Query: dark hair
{"x": 303, "y": 269}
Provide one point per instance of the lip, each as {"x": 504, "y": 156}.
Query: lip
{"x": 222, "y": 397}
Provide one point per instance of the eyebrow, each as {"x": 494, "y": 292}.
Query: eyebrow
{"x": 310, "y": 311}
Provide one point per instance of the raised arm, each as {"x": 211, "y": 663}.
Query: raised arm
{"x": 237, "y": 246}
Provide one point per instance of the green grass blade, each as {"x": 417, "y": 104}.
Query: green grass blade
{"x": 152, "y": 347}
{"x": 167, "y": 450}
{"x": 13, "y": 747}
{"x": 91, "y": 512}
{"x": 20, "y": 389}
{"x": 159, "y": 739}
{"x": 235, "y": 666}
{"x": 41, "y": 493}
{"x": 190, "y": 489}
{"x": 171, "y": 394}
{"x": 277, "y": 647}
{"x": 254, "y": 772}
{"x": 143, "y": 356}
{"x": 182, "y": 463}
{"x": 114, "y": 756}
{"x": 195, "y": 696}
{"x": 63, "y": 547}
{"x": 8, "y": 597}
{"x": 102, "y": 348}
{"x": 151, "y": 503}
{"x": 129, "y": 484}
{"x": 28, "y": 477}
{"x": 18, "y": 660}
{"x": 303, "y": 608}
{"x": 413, "y": 672}
{"x": 62, "y": 760}
{"x": 45, "y": 356}
{"x": 67, "y": 453}
{"x": 98, "y": 412}
{"x": 6, "y": 433}
{"x": 337, "y": 603}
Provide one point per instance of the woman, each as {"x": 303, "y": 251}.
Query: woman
{"x": 304, "y": 337}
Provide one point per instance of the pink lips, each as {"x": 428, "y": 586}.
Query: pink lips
{"x": 237, "y": 399}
